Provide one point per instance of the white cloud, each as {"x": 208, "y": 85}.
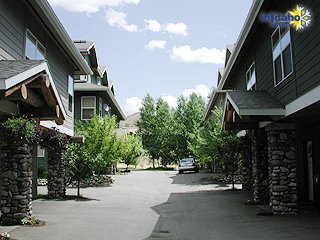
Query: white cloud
{"x": 176, "y": 28}
{"x": 223, "y": 34}
{"x": 89, "y": 6}
{"x": 201, "y": 55}
{"x": 133, "y": 105}
{"x": 171, "y": 100}
{"x": 201, "y": 89}
{"x": 152, "y": 25}
{"x": 118, "y": 19}
{"x": 155, "y": 44}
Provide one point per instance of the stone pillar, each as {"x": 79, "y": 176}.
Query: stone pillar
{"x": 282, "y": 170}
{"x": 260, "y": 166}
{"x": 16, "y": 182}
{"x": 246, "y": 166}
{"x": 56, "y": 174}
{"x": 247, "y": 175}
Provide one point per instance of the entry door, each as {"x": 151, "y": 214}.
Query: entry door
{"x": 310, "y": 170}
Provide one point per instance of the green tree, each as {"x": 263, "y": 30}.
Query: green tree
{"x": 164, "y": 132}
{"x": 188, "y": 124}
{"x": 101, "y": 141}
{"x": 80, "y": 166}
{"x": 132, "y": 149}
{"x": 147, "y": 127}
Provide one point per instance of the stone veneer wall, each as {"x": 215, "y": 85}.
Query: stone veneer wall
{"x": 56, "y": 174}
{"x": 260, "y": 166}
{"x": 246, "y": 167}
{"x": 282, "y": 168}
{"x": 16, "y": 182}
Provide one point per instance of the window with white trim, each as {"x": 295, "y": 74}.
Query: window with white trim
{"x": 88, "y": 106}
{"x": 100, "y": 107}
{"x": 41, "y": 152}
{"x": 34, "y": 49}
{"x": 70, "y": 93}
{"x": 251, "y": 77}
{"x": 281, "y": 53}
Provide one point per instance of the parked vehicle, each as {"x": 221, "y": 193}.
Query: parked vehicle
{"x": 188, "y": 164}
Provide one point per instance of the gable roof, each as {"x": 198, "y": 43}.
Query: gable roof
{"x": 246, "y": 109}
{"x": 88, "y": 47}
{"x": 53, "y": 24}
{"x": 35, "y": 77}
{"x": 89, "y": 87}
{"x": 257, "y": 102}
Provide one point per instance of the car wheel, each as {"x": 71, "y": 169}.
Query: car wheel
{"x": 196, "y": 171}
{"x": 180, "y": 172}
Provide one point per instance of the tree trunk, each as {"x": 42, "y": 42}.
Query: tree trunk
{"x": 78, "y": 194}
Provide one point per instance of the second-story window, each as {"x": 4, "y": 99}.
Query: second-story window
{"x": 100, "y": 107}
{"x": 88, "y": 106}
{"x": 251, "y": 77}
{"x": 70, "y": 93}
{"x": 34, "y": 49}
{"x": 281, "y": 52}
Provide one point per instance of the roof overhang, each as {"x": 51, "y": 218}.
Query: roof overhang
{"x": 245, "y": 110}
{"x": 89, "y": 87}
{"x": 53, "y": 24}
{"x": 28, "y": 85}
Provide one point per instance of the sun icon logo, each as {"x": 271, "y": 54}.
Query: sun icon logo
{"x": 301, "y": 18}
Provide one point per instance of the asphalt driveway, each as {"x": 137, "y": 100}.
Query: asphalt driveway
{"x": 163, "y": 205}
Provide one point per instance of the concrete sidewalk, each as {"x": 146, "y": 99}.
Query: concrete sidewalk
{"x": 155, "y": 205}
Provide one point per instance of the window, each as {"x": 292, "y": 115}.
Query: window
{"x": 100, "y": 107}
{"x": 41, "y": 152}
{"x": 70, "y": 93}
{"x": 34, "y": 49}
{"x": 88, "y": 106}
{"x": 281, "y": 52}
{"x": 251, "y": 78}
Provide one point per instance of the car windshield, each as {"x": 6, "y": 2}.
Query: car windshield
{"x": 186, "y": 160}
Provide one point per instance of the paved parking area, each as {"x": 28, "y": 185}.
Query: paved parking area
{"x": 162, "y": 205}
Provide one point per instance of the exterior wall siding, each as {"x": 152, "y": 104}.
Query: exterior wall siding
{"x": 305, "y": 56}
{"x": 12, "y": 28}
{"x": 15, "y": 19}
{"x": 307, "y": 48}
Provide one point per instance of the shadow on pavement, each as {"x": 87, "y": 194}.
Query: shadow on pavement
{"x": 223, "y": 215}
{"x": 204, "y": 179}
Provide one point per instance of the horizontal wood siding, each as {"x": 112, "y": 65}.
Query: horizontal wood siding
{"x": 307, "y": 53}
{"x": 15, "y": 19}
{"x": 12, "y": 28}
{"x": 264, "y": 63}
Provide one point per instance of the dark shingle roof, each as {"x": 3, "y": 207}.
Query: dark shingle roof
{"x": 10, "y": 68}
{"x": 254, "y": 100}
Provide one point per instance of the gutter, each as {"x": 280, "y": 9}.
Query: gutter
{"x": 110, "y": 94}
{"x": 254, "y": 10}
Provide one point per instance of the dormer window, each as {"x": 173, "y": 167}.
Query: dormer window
{"x": 34, "y": 49}
{"x": 251, "y": 77}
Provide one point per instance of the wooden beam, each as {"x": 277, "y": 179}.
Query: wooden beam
{"x": 229, "y": 116}
{"x": 32, "y": 98}
{"x": 241, "y": 126}
{"x": 42, "y": 81}
{"x": 59, "y": 121}
{"x": 18, "y": 86}
{"x": 77, "y": 139}
{"x": 42, "y": 113}
{"x": 48, "y": 96}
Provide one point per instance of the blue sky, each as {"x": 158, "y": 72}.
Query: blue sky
{"x": 166, "y": 48}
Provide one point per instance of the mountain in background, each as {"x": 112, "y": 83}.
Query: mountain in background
{"x": 130, "y": 121}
